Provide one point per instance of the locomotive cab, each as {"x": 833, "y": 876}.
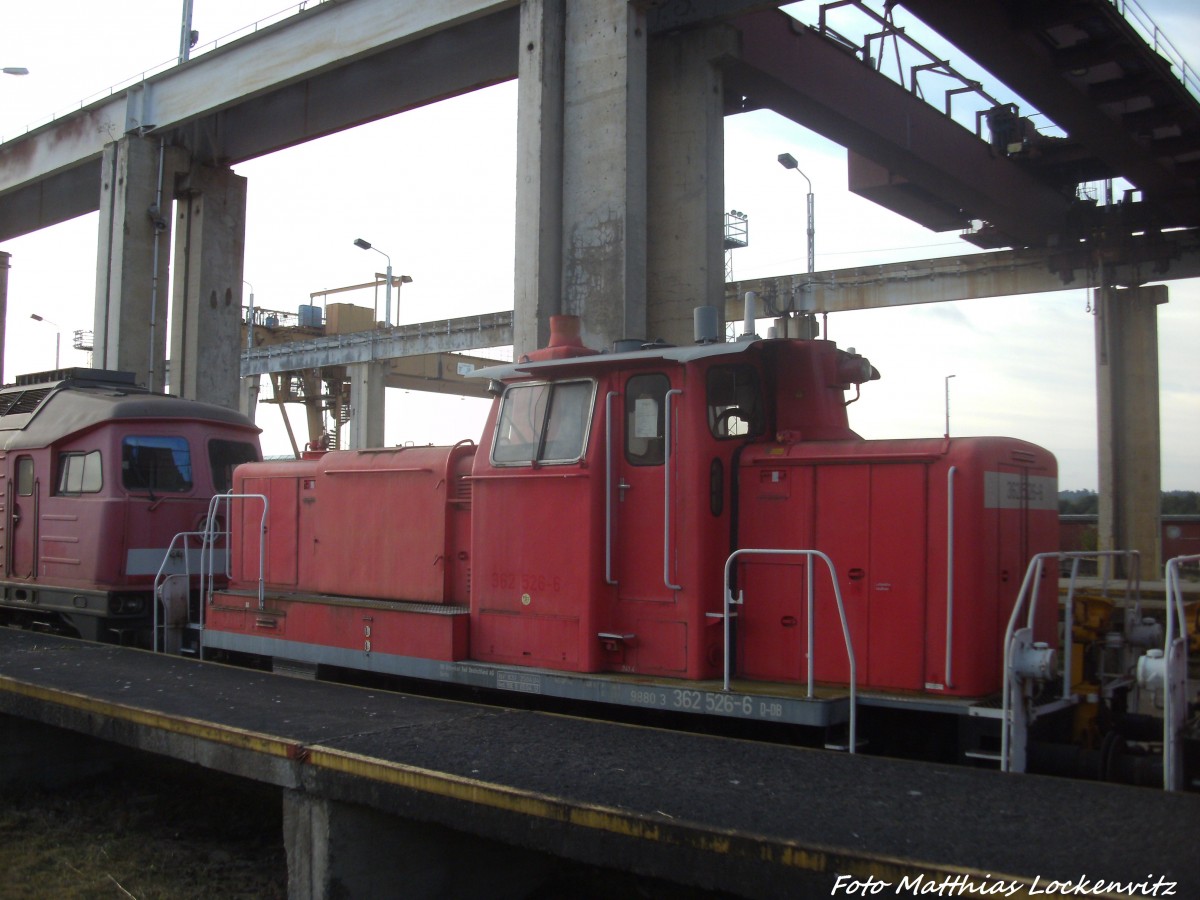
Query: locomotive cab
{"x": 605, "y": 495}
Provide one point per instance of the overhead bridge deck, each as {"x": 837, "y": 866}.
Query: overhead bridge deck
{"x": 749, "y": 818}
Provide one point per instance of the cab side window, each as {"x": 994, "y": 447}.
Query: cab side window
{"x": 543, "y": 423}
{"x": 158, "y": 464}
{"x": 735, "y": 405}
{"x": 645, "y": 419}
{"x": 80, "y": 473}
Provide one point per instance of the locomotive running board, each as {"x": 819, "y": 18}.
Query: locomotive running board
{"x": 702, "y": 698}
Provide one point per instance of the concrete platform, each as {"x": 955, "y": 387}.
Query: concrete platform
{"x": 752, "y": 819}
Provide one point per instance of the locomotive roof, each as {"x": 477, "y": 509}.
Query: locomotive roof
{"x": 649, "y": 351}
{"x": 36, "y": 413}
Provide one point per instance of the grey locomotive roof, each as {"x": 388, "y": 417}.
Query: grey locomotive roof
{"x": 662, "y": 352}
{"x": 36, "y": 414}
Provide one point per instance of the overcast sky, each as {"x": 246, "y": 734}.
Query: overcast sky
{"x": 435, "y": 189}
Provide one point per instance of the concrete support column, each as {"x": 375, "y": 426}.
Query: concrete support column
{"x": 251, "y": 385}
{"x": 538, "y": 280}
{"x": 206, "y": 323}
{"x": 130, "y": 325}
{"x": 366, "y": 405}
{"x": 1129, "y": 440}
{"x": 686, "y": 184}
{"x": 342, "y": 850}
{"x": 604, "y": 170}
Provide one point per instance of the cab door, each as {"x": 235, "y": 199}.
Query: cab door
{"x": 644, "y": 558}
{"x": 22, "y": 519}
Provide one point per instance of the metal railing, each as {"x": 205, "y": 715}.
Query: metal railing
{"x": 1166, "y": 671}
{"x": 1132, "y": 12}
{"x": 1024, "y": 659}
{"x": 213, "y": 534}
{"x": 727, "y": 614}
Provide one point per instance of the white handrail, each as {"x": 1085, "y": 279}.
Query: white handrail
{"x": 837, "y": 593}
{"x": 608, "y": 488}
{"x": 1175, "y": 658}
{"x": 950, "y": 574}
{"x": 667, "y": 495}
{"x": 1033, "y": 575}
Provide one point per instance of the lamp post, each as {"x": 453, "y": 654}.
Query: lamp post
{"x": 57, "y": 335}
{"x": 789, "y": 162}
{"x": 387, "y": 303}
{"x": 948, "y": 377}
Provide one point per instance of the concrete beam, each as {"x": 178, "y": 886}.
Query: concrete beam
{"x": 467, "y": 333}
{"x": 1004, "y": 273}
{"x": 813, "y": 81}
{"x": 279, "y": 86}
{"x": 439, "y": 373}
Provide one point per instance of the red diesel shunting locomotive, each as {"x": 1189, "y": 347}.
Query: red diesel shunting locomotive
{"x": 579, "y": 551}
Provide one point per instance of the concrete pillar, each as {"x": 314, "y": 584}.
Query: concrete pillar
{"x": 604, "y": 170}
{"x": 206, "y": 309}
{"x": 366, "y": 405}
{"x": 248, "y": 398}
{"x": 134, "y": 250}
{"x": 1129, "y": 440}
{"x": 686, "y": 185}
{"x": 341, "y": 850}
{"x": 538, "y": 282}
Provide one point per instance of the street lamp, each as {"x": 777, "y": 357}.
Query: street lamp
{"x": 57, "y": 335}
{"x": 789, "y": 162}
{"x": 15, "y": 70}
{"x": 387, "y": 303}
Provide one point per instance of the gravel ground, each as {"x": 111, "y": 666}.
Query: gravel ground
{"x": 154, "y": 829}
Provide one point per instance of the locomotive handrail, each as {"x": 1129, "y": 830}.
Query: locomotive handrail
{"x": 608, "y": 487}
{"x": 950, "y": 574}
{"x": 667, "y": 472}
{"x": 1033, "y": 575}
{"x": 210, "y": 528}
{"x": 185, "y": 536}
{"x": 1172, "y": 668}
{"x": 841, "y": 607}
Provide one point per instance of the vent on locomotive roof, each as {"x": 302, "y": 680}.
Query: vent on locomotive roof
{"x": 22, "y": 401}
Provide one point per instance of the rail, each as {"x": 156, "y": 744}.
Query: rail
{"x": 727, "y": 614}
{"x": 1025, "y": 659}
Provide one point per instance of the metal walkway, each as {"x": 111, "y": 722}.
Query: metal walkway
{"x": 753, "y": 819}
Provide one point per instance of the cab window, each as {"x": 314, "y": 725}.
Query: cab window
{"x": 543, "y": 423}
{"x": 645, "y": 405}
{"x": 225, "y": 456}
{"x": 158, "y": 464}
{"x": 735, "y": 407}
{"x": 79, "y": 473}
